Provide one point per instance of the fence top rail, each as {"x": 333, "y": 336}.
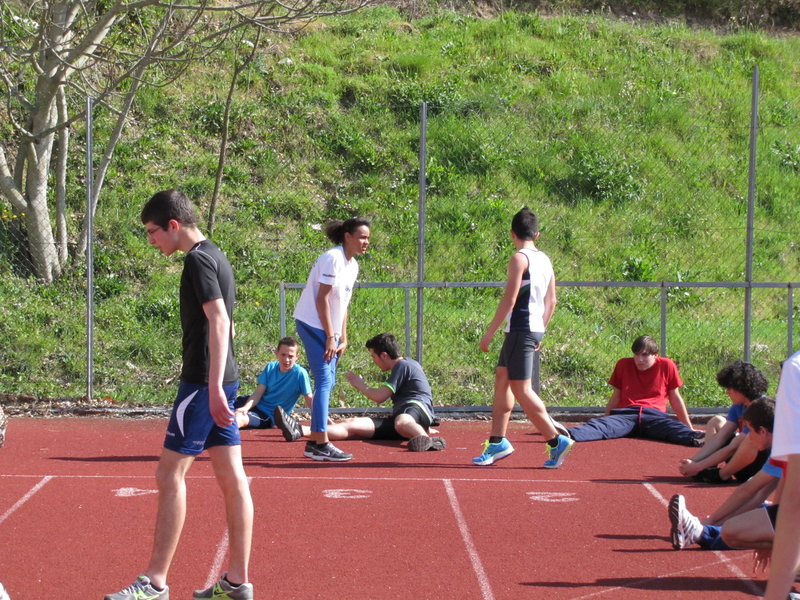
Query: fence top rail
{"x": 493, "y": 284}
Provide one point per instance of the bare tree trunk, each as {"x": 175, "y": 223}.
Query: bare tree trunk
{"x": 62, "y": 151}
{"x": 223, "y": 145}
{"x": 108, "y": 154}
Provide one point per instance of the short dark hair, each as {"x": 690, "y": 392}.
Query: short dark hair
{"x": 760, "y": 414}
{"x": 744, "y": 378}
{"x": 385, "y": 342}
{"x": 645, "y": 344}
{"x": 335, "y": 230}
{"x": 286, "y": 341}
{"x": 169, "y": 205}
{"x": 525, "y": 224}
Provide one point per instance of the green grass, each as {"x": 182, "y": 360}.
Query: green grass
{"x": 629, "y": 140}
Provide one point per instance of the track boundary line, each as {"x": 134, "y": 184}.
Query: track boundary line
{"x": 346, "y": 478}
{"x": 474, "y": 558}
{"x": 25, "y": 498}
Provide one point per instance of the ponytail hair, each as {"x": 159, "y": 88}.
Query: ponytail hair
{"x": 335, "y": 230}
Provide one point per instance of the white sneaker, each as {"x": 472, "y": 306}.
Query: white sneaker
{"x": 686, "y": 528}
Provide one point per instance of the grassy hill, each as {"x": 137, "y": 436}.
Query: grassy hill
{"x": 630, "y": 140}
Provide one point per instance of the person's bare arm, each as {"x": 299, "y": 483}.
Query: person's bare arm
{"x": 219, "y": 331}
{"x": 550, "y": 301}
{"x": 679, "y": 407}
{"x": 786, "y": 547}
{"x": 379, "y": 394}
{"x": 253, "y": 399}
{"x": 322, "y": 303}
{"x": 613, "y": 401}
{"x": 751, "y": 494}
{"x": 516, "y": 266}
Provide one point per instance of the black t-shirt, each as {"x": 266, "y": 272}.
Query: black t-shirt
{"x": 207, "y": 275}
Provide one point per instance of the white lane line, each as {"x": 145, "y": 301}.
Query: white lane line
{"x": 216, "y": 566}
{"x": 483, "y": 581}
{"x": 737, "y": 572}
{"x": 25, "y": 498}
{"x": 215, "y": 572}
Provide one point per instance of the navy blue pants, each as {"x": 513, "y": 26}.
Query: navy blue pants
{"x": 712, "y": 538}
{"x": 637, "y": 422}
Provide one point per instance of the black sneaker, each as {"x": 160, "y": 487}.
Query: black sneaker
{"x": 711, "y": 475}
{"x": 422, "y": 443}
{"x": 308, "y": 452}
{"x": 327, "y": 452}
{"x": 289, "y": 426}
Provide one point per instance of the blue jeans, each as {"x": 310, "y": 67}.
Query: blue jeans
{"x": 635, "y": 421}
{"x": 324, "y": 373}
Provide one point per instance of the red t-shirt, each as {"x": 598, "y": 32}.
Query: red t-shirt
{"x": 646, "y": 388}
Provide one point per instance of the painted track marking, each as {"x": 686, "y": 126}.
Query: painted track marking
{"x": 25, "y": 498}
{"x": 477, "y": 566}
{"x": 215, "y": 571}
{"x": 552, "y": 496}
{"x": 345, "y": 493}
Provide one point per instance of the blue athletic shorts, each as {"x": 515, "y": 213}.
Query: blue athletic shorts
{"x": 191, "y": 427}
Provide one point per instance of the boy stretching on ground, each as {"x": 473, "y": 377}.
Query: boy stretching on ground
{"x": 687, "y": 529}
{"x": 638, "y": 405}
{"x": 726, "y": 439}
{"x": 407, "y": 387}
{"x": 527, "y": 304}
{"x": 281, "y": 383}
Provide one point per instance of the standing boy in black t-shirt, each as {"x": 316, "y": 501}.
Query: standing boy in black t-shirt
{"x": 202, "y": 416}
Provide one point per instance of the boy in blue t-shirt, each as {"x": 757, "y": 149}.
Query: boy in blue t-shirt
{"x": 726, "y": 438}
{"x": 281, "y": 383}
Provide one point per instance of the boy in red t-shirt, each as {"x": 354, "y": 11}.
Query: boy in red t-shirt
{"x": 642, "y": 386}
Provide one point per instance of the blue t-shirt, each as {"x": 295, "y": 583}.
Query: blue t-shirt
{"x": 283, "y": 389}
{"x": 735, "y": 416}
{"x": 772, "y": 469}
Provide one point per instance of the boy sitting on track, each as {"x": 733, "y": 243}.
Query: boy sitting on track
{"x": 528, "y": 302}
{"x": 409, "y": 390}
{"x": 638, "y": 405}
{"x": 726, "y": 439}
{"x": 708, "y": 533}
{"x": 281, "y": 383}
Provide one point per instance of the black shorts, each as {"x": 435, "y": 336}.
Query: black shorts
{"x": 772, "y": 513}
{"x": 517, "y": 352}
{"x": 754, "y": 467}
{"x": 384, "y": 427}
{"x": 257, "y": 420}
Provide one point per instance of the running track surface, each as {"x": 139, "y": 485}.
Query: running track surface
{"x": 78, "y": 504}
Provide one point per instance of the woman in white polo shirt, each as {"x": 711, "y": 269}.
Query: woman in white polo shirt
{"x": 321, "y": 317}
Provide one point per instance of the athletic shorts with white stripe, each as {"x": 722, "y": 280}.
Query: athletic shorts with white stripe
{"x": 191, "y": 427}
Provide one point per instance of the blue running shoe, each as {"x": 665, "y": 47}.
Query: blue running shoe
{"x": 559, "y": 453}
{"x": 493, "y": 452}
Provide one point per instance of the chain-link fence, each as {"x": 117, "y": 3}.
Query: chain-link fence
{"x": 635, "y": 214}
{"x": 672, "y": 263}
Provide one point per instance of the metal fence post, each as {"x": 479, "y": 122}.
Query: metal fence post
{"x": 89, "y": 252}
{"x": 423, "y": 149}
{"x": 790, "y": 320}
{"x": 663, "y": 319}
{"x": 751, "y": 195}
{"x": 282, "y": 293}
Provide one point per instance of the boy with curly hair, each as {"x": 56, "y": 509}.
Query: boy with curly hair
{"x": 726, "y": 439}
